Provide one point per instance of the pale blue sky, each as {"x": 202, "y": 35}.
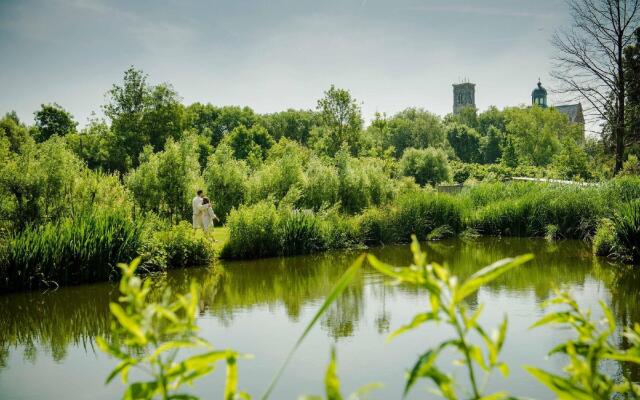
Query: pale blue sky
{"x": 272, "y": 55}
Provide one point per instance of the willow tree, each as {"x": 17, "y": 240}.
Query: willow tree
{"x": 590, "y": 60}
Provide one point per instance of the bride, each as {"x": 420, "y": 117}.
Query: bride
{"x": 208, "y": 216}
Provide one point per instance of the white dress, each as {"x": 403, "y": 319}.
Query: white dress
{"x": 207, "y": 216}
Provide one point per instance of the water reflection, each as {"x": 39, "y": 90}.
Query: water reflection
{"x": 46, "y": 325}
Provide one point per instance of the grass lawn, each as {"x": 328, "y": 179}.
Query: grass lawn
{"x": 221, "y": 234}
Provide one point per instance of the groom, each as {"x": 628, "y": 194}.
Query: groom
{"x": 197, "y": 214}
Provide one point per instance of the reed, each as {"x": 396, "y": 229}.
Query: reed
{"x": 84, "y": 248}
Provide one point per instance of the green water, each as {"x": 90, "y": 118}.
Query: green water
{"x": 260, "y": 307}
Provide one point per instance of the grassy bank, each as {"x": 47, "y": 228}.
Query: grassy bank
{"x": 522, "y": 209}
{"x": 87, "y": 247}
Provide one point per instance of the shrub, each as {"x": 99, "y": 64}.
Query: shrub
{"x": 253, "y": 231}
{"x": 226, "y": 180}
{"x": 421, "y": 212}
{"x": 300, "y": 233}
{"x": 622, "y": 189}
{"x": 166, "y": 181}
{"x": 321, "y": 186}
{"x": 375, "y": 227}
{"x": 69, "y": 251}
{"x": 427, "y": 166}
{"x": 340, "y": 231}
{"x": 627, "y": 230}
{"x": 604, "y": 238}
{"x": 364, "y": 182}
{"x": 275, "y": 178}
{"x": 182, "y": 247}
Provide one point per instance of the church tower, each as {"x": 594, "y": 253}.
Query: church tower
{"x": 464, "y": 95}
{"x": 539, "y": 96}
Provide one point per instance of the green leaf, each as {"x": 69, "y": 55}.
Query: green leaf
{"x": 563, "y": 388}
{"x": 206, "y": 359}
{"x": 488, "y": 274}
{"x": 421, "y": 368}
{"x": 363, "y": 390}
{"x": 128, "y": 323}
{"x": 403, "y": 274}
{"x": 231, "y": 383}
{"x": 141, "y": 390}
{"x": 337, "y": 290}
{"x": 331, "y": 380}
{"x": 418, "y": 320}
{"x": 611, "y": 321}
{"x": 476, "y": 355}
{"x": 504, "y": 369}
{"x": 495, "y": 396}
{"x": 171, "y": 345}
{"x": 122, "y": 367}
{"x": 553, "y": 318}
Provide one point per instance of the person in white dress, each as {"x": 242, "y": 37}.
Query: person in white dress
{"x": 196, "y": 203}
{"x": 208, "y": 216}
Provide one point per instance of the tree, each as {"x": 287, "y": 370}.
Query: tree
{"x": 571, "y": 162}
{"x": 14, "y": 132}
{"x": 142, "y": 115}
{"x": 492, "y": 117}
{"x": 427, "y": 166}
{"x": 340, "y": 115}
{"x": 231, "y": 117}
{"x": 491, "y": 145}
{"x": 509, "y": 156}
{"x": 249, "y": 143}
{"x": 465, "y": 142}
{"x": 589, "y": 62}
{"x": 52, "y": 119}
{"x": 412, "y": 127}
{"x": 291, "y": 124}
{"x": 537, "y": 133}
{"x": 632, "y": 72}
{"x": 163, "y": 116}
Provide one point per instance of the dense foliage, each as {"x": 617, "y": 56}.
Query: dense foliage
{"x": 322, "y": 177}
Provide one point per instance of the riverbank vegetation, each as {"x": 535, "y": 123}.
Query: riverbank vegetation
{"x": 74, "y": 201}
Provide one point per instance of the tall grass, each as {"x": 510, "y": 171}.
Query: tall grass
{"x": 627, "y": 230}
{"x": 575, "y": 211}
{"x": 419, "y": 213}
{"x": 85, "y": 248}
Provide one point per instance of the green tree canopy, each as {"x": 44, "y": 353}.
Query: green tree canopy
{"x": 465, "y": 142}
{"x": 426, "y": 166}
{"x": 52, "y": 119}
{"x": 413, "y": 127}
{"x": 341, "y": 119}
{"x": 249, "y": 143}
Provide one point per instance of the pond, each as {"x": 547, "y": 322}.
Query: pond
{"x": 260, "y": 307}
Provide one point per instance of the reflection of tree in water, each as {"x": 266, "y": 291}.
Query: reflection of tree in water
{"x": 53, "y": 320}
{"x": 342, "y": 318}
{"x": 383, "y": 319}
{"x": 75, "y": 315}
{"x": 623, "y": 282}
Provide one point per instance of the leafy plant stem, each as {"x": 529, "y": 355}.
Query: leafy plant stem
{"x": 465, "y": 349}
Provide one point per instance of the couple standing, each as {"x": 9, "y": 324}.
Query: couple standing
{"x": 203, "y": 214}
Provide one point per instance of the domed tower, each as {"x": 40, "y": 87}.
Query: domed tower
{"x": 539, "y": 96}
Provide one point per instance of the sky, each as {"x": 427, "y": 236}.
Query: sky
{"x": 273, "y": 54}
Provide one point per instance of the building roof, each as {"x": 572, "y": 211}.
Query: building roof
{"x": 572, "y": 111}
{"x": 539, "y": 91}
